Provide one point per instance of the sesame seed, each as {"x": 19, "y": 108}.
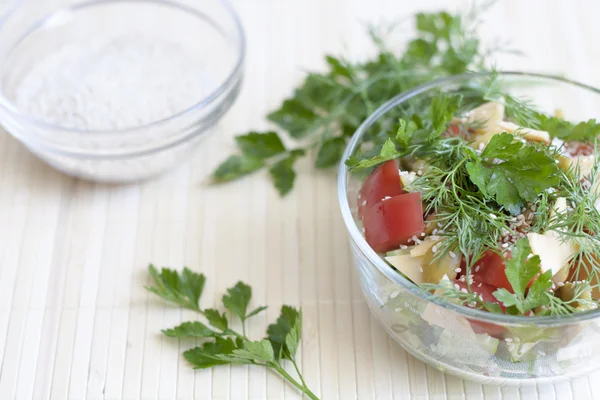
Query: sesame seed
{"x": 452, "y": 254}
{"x": 464, "y": 290}
{"x": 403, "y": 246}
{"x": 492, "y": 216}
{"x": 419, "y": 172}
{"x": 477, "y": 268}
{"x": 397, "y": 309}
{"x": 394, "y": 294}
{"x": 364, "y": 203}
{"x": 505, "y": 245}
{"x": 434, "y": 249}
{"x": 359, "y": 196}
{"x": 457, "y": 270}
{"x": 363, "y": 230}
{"x": 480, "y": 284}
{"x": 386, "y": 198}
{"x": 508, "y": 340}
{"x": 422, "y": 234}
{"x": 456, "y": 286}
{"x": 560, "y": 284}
{"x": 420, "y": 269}
{"x": 434, "y": 231}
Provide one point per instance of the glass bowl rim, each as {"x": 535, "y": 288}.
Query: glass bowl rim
{"x": 208, "y": 99}
{"x": 358, "y": 239}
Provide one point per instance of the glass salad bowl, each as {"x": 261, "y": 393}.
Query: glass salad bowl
{"x": 166, "y": 71}
{"x": 472, "y": 344}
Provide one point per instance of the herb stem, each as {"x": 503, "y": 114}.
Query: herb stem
{"x": 301, "y": 386}
{"x": 298, "y": 371}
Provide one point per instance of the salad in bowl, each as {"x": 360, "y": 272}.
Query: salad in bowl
{"x": 474, "y": 218}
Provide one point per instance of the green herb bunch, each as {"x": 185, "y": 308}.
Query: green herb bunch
{"x": 328, "y": 107}
{"x": 221, "y": 343}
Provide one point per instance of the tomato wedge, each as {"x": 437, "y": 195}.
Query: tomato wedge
{"x": 486, "y": 291}
{"x": 491, "y": 270}
{"x": 383, "y": 182}
{"x": 393, "y": 222}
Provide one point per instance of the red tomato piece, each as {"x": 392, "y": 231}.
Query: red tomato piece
{"x": 383, "y": 182}
{"x": 490, "y": 328}
{"x": 393, "y": 222}
{"x": 486, "y": 291}
{"x": 491, "y": 270}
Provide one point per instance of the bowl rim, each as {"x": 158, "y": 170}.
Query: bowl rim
{"x": 233, "y": 75}
{"x": 358, "y": 239}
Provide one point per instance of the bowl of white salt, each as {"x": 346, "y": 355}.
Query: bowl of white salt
{"x": 118, "y": 90}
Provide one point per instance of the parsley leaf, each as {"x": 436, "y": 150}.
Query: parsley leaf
{"x": 388, "y": 152}
{"x": 585, "y": 131}
{"x": 216, "y": 319}
{"x": 404, "y": 133}
{"x": 278, "y": 332}
{"x": 235, "y": 167}
{"x": 209, "y": 354}
{"x": 191, "y": 329}
{"x": 256, "y": 351}
{"x": 294, "y": 117}
{"x": 260, "y": 145}
{"x": 330, "y": 152}
{"x": 237, "y": 299}
{"x": 513, "y": 172}
{"x": 442, "y": 110}
{"x": 520, "y": 270}
{"x": 283, "y": 173}
{"x": 182, "y": 289}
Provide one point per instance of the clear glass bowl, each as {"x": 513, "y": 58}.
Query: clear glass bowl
{"x": 524, "y": 350}
{"x": 208, "y": 29}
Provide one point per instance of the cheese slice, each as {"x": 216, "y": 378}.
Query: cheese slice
{"x": 554, "y": 254}
{"x": 411, "y": 267}
{"x": 528, "y": 134}
{"x": 422, "y": 248}
{"x": 419, "y": 266}
{"x": 585, "y": 163}
{"x": 486, "y": 117}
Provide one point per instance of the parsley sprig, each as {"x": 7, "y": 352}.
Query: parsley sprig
{"x": 223, "y": 345}
{"x": 328, "y": 107}
{"x": 513, "y": 173}
{"x": 521, "y": 269}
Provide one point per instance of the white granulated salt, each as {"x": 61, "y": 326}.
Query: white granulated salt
{"x": 126, "y": 82}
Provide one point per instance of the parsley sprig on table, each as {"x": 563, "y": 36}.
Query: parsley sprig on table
{"x": 221, "y": 343}
{"x": 328, "y": 107}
